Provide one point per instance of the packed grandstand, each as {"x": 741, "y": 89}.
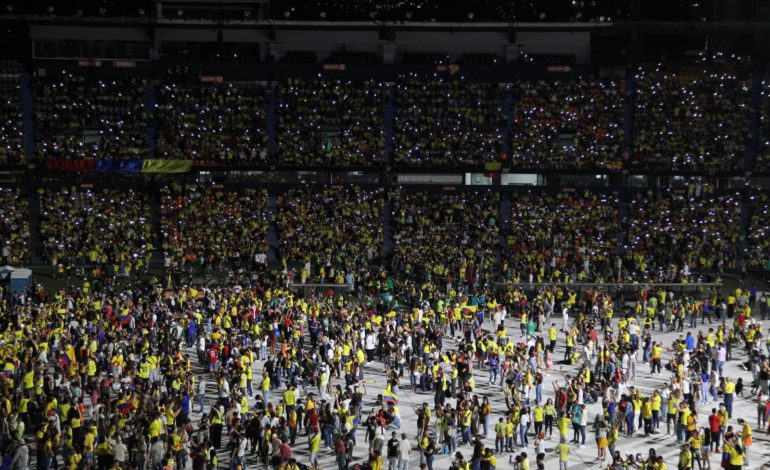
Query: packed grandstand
{"x": 357, "y": 258}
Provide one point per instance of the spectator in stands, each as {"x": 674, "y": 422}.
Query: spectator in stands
{"x": 672, "y": 235}
{"x": 567, "y": 237}
{"x": 107, "y": 230}
{"x": 325, "y": 122}
{"x": 695, "y": 123}
{"x": 77, "y": 118}
{"x": 763, "y": 154}
{"x": 14, "y": 227}
{"x": 213, "y": 123}
{"x": 445, "y": 239}
{"x": 759, "y": 234}
{"x": 447, "y": 122}
{"x": 330, "y": 232}
{"x": 12, "y": 151}
{"x": 567, "y": 124}
{"x": 209, "y": 227}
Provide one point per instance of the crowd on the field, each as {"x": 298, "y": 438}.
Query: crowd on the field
{"x": 209, "y": 377}
{"x": 77, "y": 118}
{"x": 327, "y": 122}
{"x": 105, "y": 230}
{"x": 222, "y": 124}
{"x": 567, "y": 124}
{"x": 684, "y": 121}
{"x": 447, "y": 122}
{"x": 206, "y": 227}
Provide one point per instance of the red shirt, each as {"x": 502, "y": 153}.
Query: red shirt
{"x": 714, "y": 423}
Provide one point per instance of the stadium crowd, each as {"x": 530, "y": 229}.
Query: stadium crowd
{"x": 447, "y": 122}
{"x": 209, "y": 228}
{"x": 564, "y": 237}
{"x": 107, "y": 230}
{"x": 698, "y": 121}
{"x": 763, "y": 151}
{"x": 758, "y": 257}
{"x": 12, "y": 148}
{"x": 325, "y": 122}
{"x": 213, "y": 123}
{"x": 567, "y": 124}
{"x": 211, "y": 377}
{"x": 76, "y": 118}
{"x": 448, "y": 240}
{"x": 674, "y": 236}
{"x": 329, "y": 234}
{"x": 14, "y": 227}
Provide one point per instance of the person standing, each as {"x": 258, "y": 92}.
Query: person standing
{"x": 404, "y": 449}
{"x": 393, "y": 446}
{"x": 564, "y": 450}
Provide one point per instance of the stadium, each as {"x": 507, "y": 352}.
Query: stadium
{"x": 358, "y": 235}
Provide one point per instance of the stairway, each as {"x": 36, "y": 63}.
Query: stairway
{"x": 389, "y": 124}
{"x": 508, "y": 132}
{"x": 272, "y": 120}
{"x": 28, "y": 114}
{"x": 387, "y": 230}
{"x": 35, "y": 241}
{"x": 504, "y": 222}
{"x": 747, "y": 207}
{"x": 629, "y": 103}
{"x": 150, "y": 101}
{"x": 272, "y": 230}
{"x": 155, "y": 219}
{"x": 750, "y": 159}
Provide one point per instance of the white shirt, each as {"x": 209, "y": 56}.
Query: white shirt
{"x": 404, "y": 448}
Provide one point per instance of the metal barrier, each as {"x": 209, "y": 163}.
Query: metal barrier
{"x": 625, "y": 290}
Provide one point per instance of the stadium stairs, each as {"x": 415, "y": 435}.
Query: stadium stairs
{"x": 150, "y": 100}
{"x": 272, "y": 230}
{"x": 156, "y": 262}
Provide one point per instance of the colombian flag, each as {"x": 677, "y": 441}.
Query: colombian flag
{"x": 388, "y": 396}
{"x": 125, "y": 408}
{"x": 64, "y": 360}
